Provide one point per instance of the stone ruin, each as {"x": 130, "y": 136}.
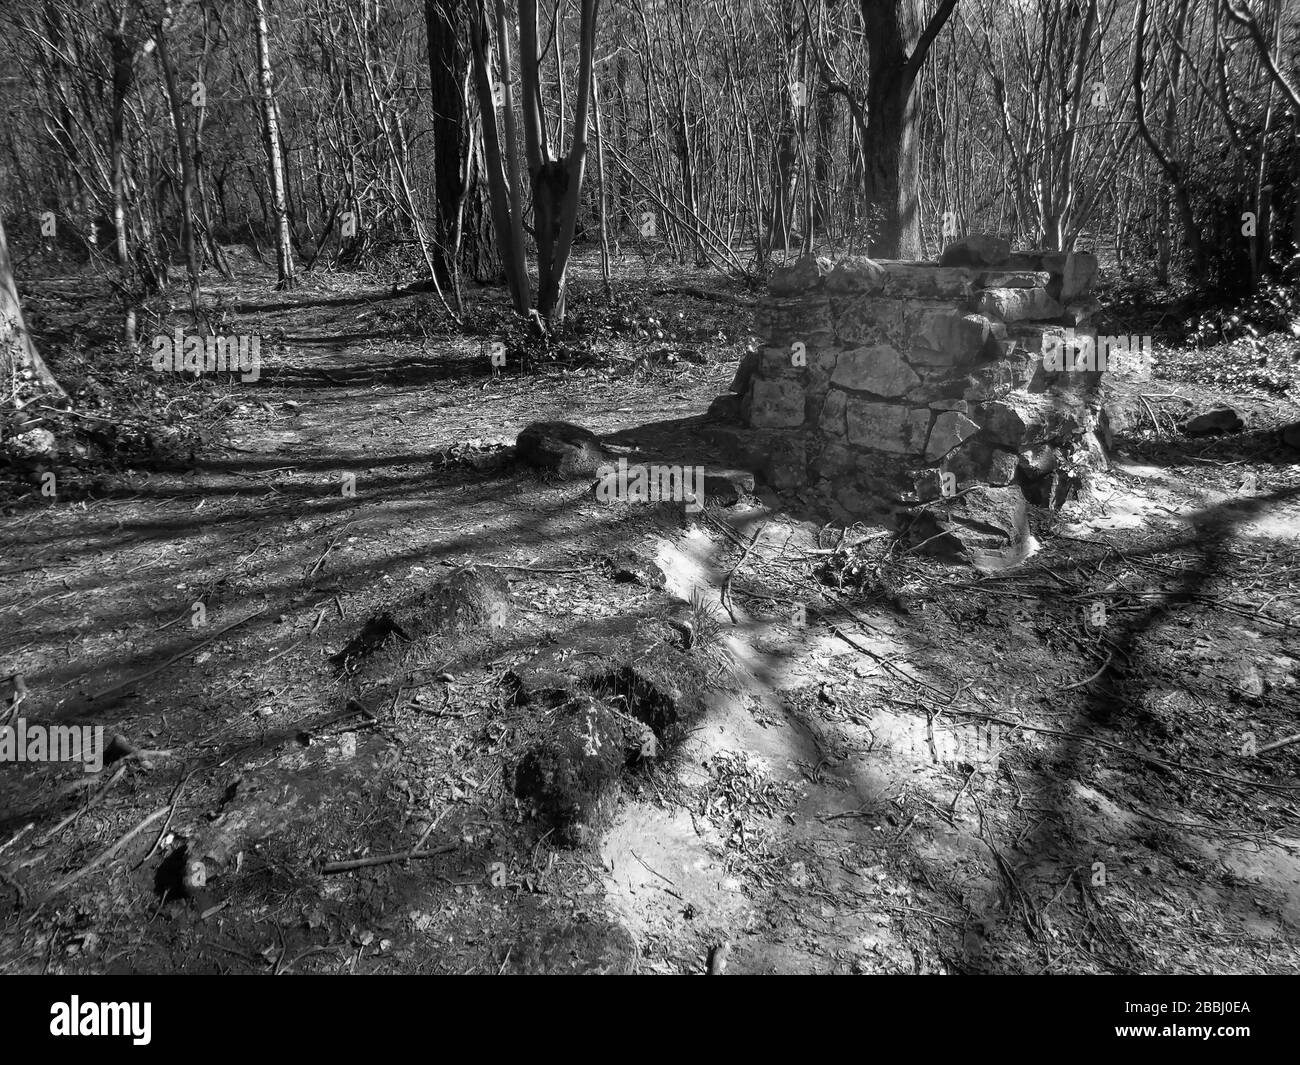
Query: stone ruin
{"x": 895, "y": 386}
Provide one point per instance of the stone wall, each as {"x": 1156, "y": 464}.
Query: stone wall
{"x": 889, "y": 384}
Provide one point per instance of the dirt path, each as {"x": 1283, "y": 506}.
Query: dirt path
{"x": 866, "y": 792}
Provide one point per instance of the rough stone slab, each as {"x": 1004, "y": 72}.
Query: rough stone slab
{"x": 806, "y": 318}
{"x": 1002, "y": 467}
{"x": 1077, "y": 277}
{"x": 837, "y": 461}
{"x": 804, "y": 275}
{"x": 724, "y": 409}
{"x": 866, "y": 320}
{"x": 776, "y": 362}
{"x": 927, "y": 281}
{"x": 1014, "y": 279}
{"x": 775, "y": 405}
{"x": 832, "y": 420}
{"x": 785, "y": 465}
{"x": 1031, "y": 261}
{"x": 948, "y": 338}
{"x": 887, "y": 426}
{"x": 951, "y": 429}
{"x": 951, "y": 404}
{"x": 878, "y": 369}
{"x": 744, "y": 373}
{"x": 820, "y": 368}
{"x": 569, "y": 773}
{"x": 1019, "y": 304}
{"x": 1039, "y": 459}
{"x": 1020, "y": 419}
{"x": 727, "y": 487}
{"x": 988, "y": 527}
{"x": 976, "y": 250}
{"x": 992, "y": 381}
{"x": 856, "y": 273}
{"x": 1072, "y": 273}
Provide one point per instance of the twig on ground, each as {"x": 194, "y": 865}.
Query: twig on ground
{"x": 380, "y": 859}
{"x": 102, "y": 857}
{"x": 1110, "y": 657}
{"x": 1277, "y": 745}
{"x": 103, "y": 790}
{"x": 176, "y": 657}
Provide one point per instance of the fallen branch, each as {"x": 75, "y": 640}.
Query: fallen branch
{"x": 1110, "y": 657}
{"x": 1277, "y": 745}
{"x": 1152, "y": 759}
{"x": 174, "y": 658}
{"x": 380, "y": 859}
{"x": 726, "y": 584}
{"x": 102, "y": 857}
{"x": 92, "y": 801}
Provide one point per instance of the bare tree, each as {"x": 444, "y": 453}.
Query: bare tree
{"x": 285, "y": 278}
{"x": 556, "y": 178}
{"x": 21, "y": 367}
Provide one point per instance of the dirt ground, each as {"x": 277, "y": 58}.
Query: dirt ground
{"x": 903, "y": 767}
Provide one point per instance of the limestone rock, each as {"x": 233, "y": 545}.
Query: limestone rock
{"x": 949, "y": 338}
{"x": 1018, "y": 304}
{"x": 1014, "y": 279}
{"x": 724, "y": 409}
{"x": 856, "y": 273}
{"x": 786, "y": 466}
{"x": 1020, "y": 419}
{"x": 976, "y": 250}
{"x": 1076, "y": 282}
{"x": 951, "y": 429}
{"x": 34, "y": 443}
{"x": 927, "y": 281}
{"x": 804, "y": 275}
{"x": 726, "y": 488}
{"x": 887, "y": 426}
{"x": 776, "y": 362}
{"x": 744, "y": 373}
{"x": 831, "y": 420}
{"x": 867, "y": 320}
{"x": 878, "y": 369}
{"x": 775, "y": 405}
{"x": 1002, "y": 467}
{"x": 783, "y": 320}
{"x": 988, "y": 527}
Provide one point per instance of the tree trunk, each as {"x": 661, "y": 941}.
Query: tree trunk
{"x": 275, "y": 160}
{"x": 453, "y": 140}
{"x": 189, "y": 246}
{"x": 505, "y": 203}
{"x": 21, "y": 367}
{"x": 897, "y": 46}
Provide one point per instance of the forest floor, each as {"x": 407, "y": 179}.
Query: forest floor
{"x": 939, "y": 772}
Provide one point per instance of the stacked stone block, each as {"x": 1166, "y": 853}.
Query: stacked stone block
{"x": 892, "y": 383}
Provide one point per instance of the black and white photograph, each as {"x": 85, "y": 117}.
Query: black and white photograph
{"x": 650, "y": 487}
